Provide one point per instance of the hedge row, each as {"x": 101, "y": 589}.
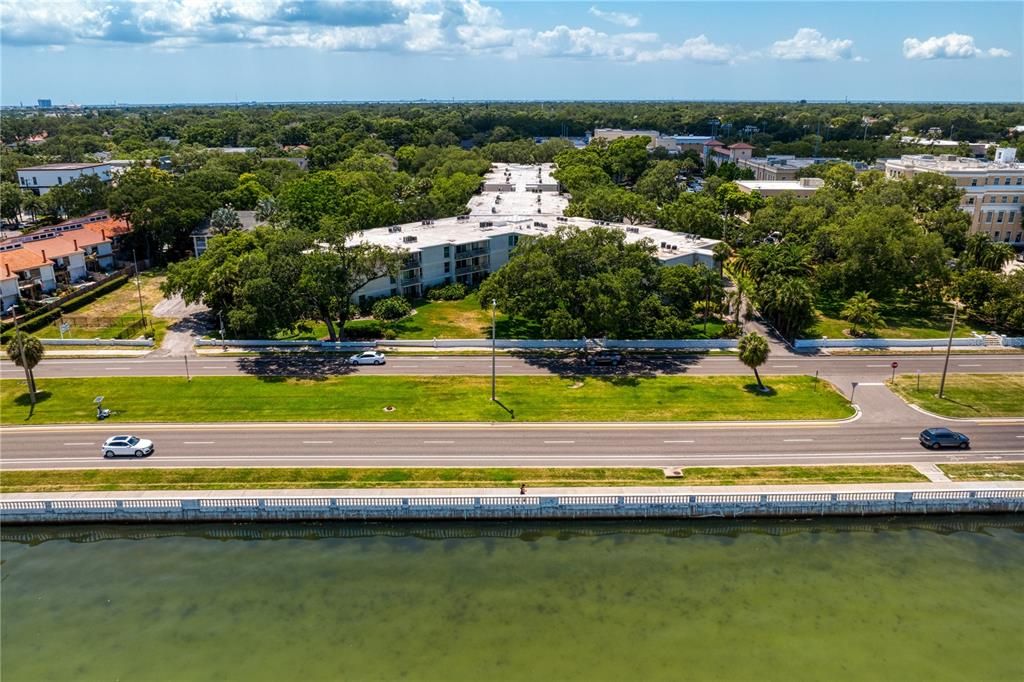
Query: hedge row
{"x": 45, "y": 319}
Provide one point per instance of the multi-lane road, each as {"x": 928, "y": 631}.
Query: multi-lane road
{"x": 885, "y": 432}
{"x": 857, "y": 367}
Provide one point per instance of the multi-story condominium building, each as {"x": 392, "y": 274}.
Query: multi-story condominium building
{"x": 993, "y": 190}
{"x": 41, "y": 179}
{"x": 468, "y": 248}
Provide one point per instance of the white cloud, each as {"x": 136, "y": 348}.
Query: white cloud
{"x": 619, "y": 18}
{"x": 698, "y": 49}
{"x": 809, "y": 45}
{"x": 949, "y": 46}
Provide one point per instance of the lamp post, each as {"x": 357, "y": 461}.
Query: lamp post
{"x": 494, "y": 348}
{"x": 223, "y": 343}
{"x": 949, "y": 348}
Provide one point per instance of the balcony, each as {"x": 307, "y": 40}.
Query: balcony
{"x": 469, "y": 268}
{"x": 473, "y": 251}
{"x": 410, "y": 279}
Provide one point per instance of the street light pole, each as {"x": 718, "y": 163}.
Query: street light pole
{"x": 494, "y": 347}
{"x": 949, "y": 348}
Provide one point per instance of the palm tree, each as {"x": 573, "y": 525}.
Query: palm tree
{"x": 998, "y": 255}
{"x": 26, "y": 351}
{"x": 721, "y": 252}
{"x": 708, "y": 279}
{"x": 861, "y": 311}
{"x": 753, "y": 353}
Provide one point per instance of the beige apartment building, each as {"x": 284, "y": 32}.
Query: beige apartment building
{"x": 993, "y": 190}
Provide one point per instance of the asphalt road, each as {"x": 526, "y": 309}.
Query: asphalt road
{"x": 874, "y": 367}
{"x": 857, "y": 442}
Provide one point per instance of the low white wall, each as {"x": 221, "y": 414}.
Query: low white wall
{"x": 537, "y": 344}
{"x": 804, "y": 344}
{"x": 147, "y": 343}
{"x": 1013, "y": 341}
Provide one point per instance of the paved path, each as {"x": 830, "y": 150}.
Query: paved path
{"x": 514, "y": 490}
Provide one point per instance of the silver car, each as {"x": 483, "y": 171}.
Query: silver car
{"x": 370, "y": 357}
{"x": 128, "y": 446}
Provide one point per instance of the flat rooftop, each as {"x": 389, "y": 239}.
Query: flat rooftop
{"x": 62, "y": 166}
{"x": 519, "y": 189}
{"x": 450, "y": 231}
{"x": 949, "y": 162}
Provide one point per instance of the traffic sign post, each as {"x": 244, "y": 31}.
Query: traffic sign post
{"x": 894, "y": 366}
{"x": 65, "y": 327}
{"x": 853, "y": 391}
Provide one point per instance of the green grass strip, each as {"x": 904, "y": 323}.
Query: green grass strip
{"x": 422, "y": 399}
{"x": 966, "y": 395}
{"x": 283, "y": 478}
{"x": 995, "y": 471}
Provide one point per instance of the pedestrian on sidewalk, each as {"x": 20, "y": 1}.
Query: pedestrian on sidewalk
{"x": 522, "y": 488}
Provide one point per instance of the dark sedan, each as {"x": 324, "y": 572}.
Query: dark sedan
{"x": 944, "y": 438}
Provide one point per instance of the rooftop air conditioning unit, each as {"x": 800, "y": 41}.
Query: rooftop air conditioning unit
{"x": 409, "y": 238}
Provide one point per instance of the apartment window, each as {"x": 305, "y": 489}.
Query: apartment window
{"x": 988, "y": 216}
{"x": 970, "y": 201}
{"x": 1004, "y": 198}
{"x": 447, "y": 251}
{"x": 974, "y": 182}
{"x": 447, "y": 266}
{"x": 34, "y": 181}
{"x": 995, "y": 236}
{"x": 60, "y": 180}
{"x": 1012, "y": 218}
{"x": 999, "y": 217}
{"x": 23, "y": 181}
{"x": 1019, "y": 235}
{"x": 1016, "y": 200}
{"x": 1019, "y": 180}
{"x": 1007, "y": 181}
{"x": 513, "y": 239}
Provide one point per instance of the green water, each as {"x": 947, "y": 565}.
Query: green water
{"x": 844, "y": 600}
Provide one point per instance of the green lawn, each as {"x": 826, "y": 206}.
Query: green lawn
{"x": 110, "y": 314}
{"x": 282, "y": 478}
{"x": 441, "y": 398}
{"x": 901, "y": 322}
{"x": 462, "y": 319}
{"x": 990, "y": 471}
{"x": 966, "y": 395}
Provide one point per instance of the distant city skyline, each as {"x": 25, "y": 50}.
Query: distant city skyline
{"x": 184, "y": 51}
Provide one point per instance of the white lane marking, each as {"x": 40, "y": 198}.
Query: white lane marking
{"x": 213, "y": 366}
{"x": 559, "y": 442}
{"x": 797, "y": 440}
{"x": 438, "y": 442}
{"x": 968, "y": 365}
{"x": 317, "y": 442}
{"x": 876, "y": 365}
{"x": 866, "y": 383}
{"x": 78, "y": 443}
{"x": 784, "y": 366}
{"x": 994, "y": 457}
{"x": 505, "y": 457}
{"x": 1018, "y": 436}
{"x": 677, "y": 441}
{"x": 908, "y": 438}
{"x": 117, "y": 368}
{"x": 198, "y": 442}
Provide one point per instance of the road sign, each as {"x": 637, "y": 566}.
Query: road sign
{"x": 98, "y": 399}
{"x": 895, "y": 364}
{"x": 65, "y": 327}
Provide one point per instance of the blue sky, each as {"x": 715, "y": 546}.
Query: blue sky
{"x": 102, "y": 51}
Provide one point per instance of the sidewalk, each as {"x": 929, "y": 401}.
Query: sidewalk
{"x": 514, "y": 491}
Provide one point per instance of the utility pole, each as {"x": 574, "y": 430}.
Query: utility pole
{"x": 494, "y": 349}
{"x": 138, "y": 288}
{"x": 949, "y": 348}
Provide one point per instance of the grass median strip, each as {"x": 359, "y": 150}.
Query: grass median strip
{"x": 966, "y": 395}
{"x": 288, "y": 478}
{"x": 421, "y": 399}
{"x": 984, "y": 471}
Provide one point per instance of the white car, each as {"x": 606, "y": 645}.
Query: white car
{"x": 370, "y": 357}
{"x": 130, "y": 446}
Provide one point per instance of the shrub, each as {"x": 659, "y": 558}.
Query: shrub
{"x": 392, "y": 308}
{"x": 447, "y": 292}
{"x": 364, "y": 330}
{"x": 731, "y": 330}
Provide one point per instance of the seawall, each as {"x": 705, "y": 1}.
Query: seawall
{"x": 188, "y": 509}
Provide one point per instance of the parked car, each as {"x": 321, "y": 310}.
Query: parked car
{"x": 940, "y": 437}
{"x": 128, "y": 446}
{"x": 370, "y": 357}
{"x": 604, "y": 359}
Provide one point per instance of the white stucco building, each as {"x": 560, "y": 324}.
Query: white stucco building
{"x": 41, "y": 179}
